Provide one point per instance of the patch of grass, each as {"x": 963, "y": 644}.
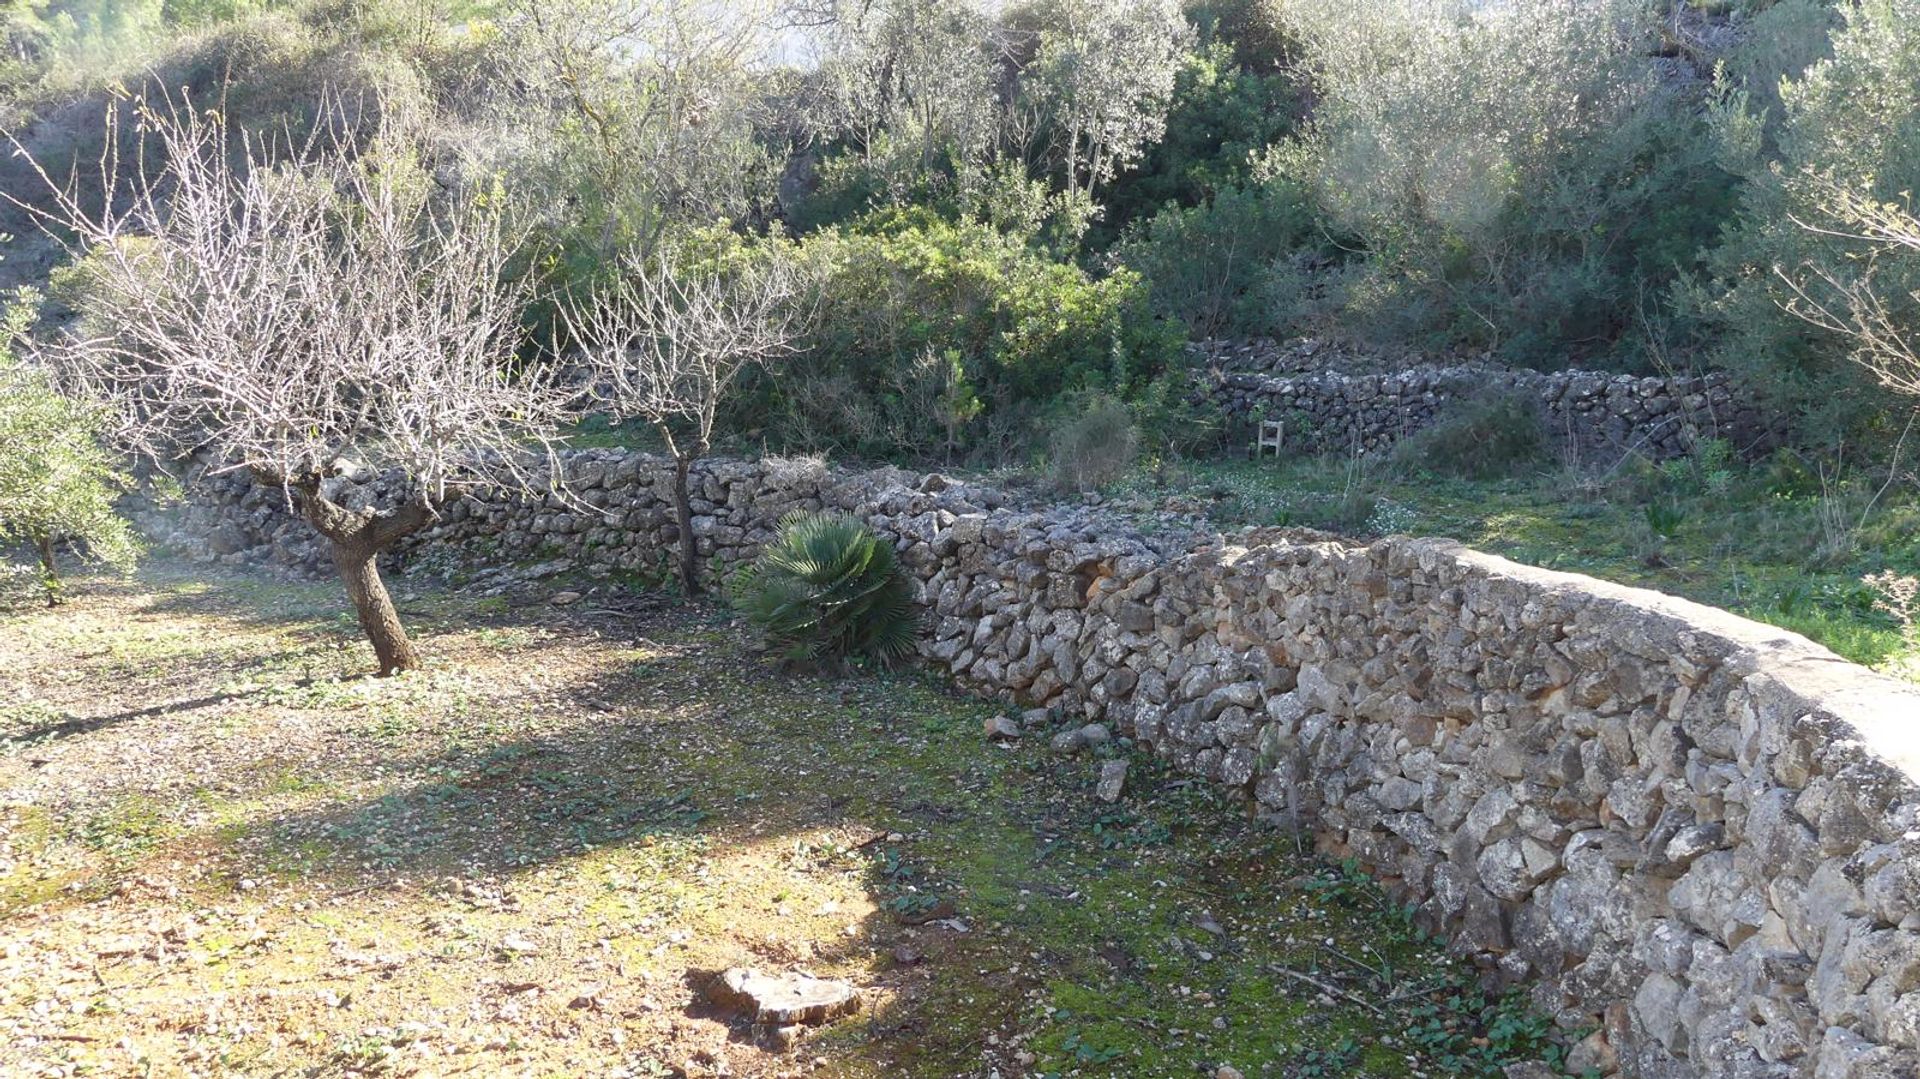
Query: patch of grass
{"x": 28, "y": 877}
{"x": 19, "y": 720}
{"x": 127, "y": 828}
{"x": 1762, "y": 540}
{"x": 596, "y": 432}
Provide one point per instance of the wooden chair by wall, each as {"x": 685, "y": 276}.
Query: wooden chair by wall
{"x": 1270, "y": 436}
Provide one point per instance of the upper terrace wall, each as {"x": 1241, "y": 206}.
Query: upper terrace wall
{"x": 1592, "y": 413}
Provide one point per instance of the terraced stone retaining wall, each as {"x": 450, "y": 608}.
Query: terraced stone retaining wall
{"x": 1696, "y": 833}
{"x": 1334, "y": 398}
{"x": 1594, "y": 414}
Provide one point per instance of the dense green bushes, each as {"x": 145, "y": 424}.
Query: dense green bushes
{"x": 1016, "y": 204}
{"x": 940, "y": 338}
{"x": 1519, "y": 177}
{"x": 1238, "y": 264}
{"x": 1222, "y": 117}
{"x": 1849, "y": 127}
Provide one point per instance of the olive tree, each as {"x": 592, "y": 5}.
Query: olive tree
{"x": 58, "y": 483}
{"x": 911, "y": 85}
{"x": 670, "y": 335}
{"x": 310, "y": 314}
{"x": 635, "y": 116}
{"x": 1826, "y": 228}
{"x": 1103, "y": 76}
{"x": 1516, "y": 173}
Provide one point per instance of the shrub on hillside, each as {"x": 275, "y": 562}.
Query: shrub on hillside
{"x": 828, "y": 589}
{"x": 937, "y": 336}
{"x": 1479, "y": 439}
{"x": 1518, "y": 175}
{"x": 1222, "y": 115}
{"x": 1097, "y": 446}
{"x": 1845, "y": 137}
{"x": 1214, "y": 266}
{"x": 1178, "y": 417}
{"x": 58, "y": 484}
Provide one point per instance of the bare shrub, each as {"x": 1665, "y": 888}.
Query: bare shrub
{"x": 1095, "y": 448}
{"x": 669, "y": 337}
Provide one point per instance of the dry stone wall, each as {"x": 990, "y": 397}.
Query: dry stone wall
{"x": 1333, "y": 398}
{"x": 1593, "y": 413}
{"x": 1696, "y": 833}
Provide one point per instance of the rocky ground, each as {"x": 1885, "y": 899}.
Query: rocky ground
{"x": 223, "y": 852}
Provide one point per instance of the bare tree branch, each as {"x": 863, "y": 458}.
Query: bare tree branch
{"x": 1854, "y": 302}
{"x": 667, "y": 340}
{"x": 306, "y": 312}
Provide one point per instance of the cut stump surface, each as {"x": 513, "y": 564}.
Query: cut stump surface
{"x": 783, "y": 999}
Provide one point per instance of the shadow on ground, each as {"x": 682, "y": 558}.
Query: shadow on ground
{"x": 540, "y": 849}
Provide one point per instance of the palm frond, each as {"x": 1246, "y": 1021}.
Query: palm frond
{"x": 826, "y": 587}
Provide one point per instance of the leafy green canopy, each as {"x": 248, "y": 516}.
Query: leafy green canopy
{"x": 828, "y": 588}
{"x": 937, "y": 335}
{"x": 57, "y": 483}
{"x": 1519, "y": 177}
{"x": 1222, "y": 117}
{"x": 1848, "y": 123}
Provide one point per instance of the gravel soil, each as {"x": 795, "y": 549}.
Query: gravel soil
{"x": 225, "y": 851}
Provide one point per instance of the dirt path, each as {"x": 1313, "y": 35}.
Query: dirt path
{"x": 222, "y": 853}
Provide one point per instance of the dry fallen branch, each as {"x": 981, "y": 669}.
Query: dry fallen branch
{"x": 1327, "y": 988}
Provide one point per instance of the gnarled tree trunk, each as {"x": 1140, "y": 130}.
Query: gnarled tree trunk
{"x": 356, "y": 539}
{"x": 360, "y": 572}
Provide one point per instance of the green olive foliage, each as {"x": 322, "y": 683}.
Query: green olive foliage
{"x": 1845, "y": 130}
{"x": 1223, "y": 115}
{"x": 938, "y": 338}
{"x": 1517, "y": 176}
{"x": 57, "y": 483}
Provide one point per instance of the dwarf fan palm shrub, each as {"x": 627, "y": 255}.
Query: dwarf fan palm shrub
{"x": 827, "y": 588}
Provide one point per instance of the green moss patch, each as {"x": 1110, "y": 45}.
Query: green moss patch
{"x": 531, "y": 856}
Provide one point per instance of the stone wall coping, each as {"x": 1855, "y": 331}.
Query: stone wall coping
{"x": 1878, "y": 713}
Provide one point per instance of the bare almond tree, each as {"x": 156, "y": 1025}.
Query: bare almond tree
{"x": 669, "y": 337}
{"x": 1869, "y": 300}
{"x": 311, "y": 314}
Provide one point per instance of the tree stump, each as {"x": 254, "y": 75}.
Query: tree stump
{"x": 783, "y": 1000}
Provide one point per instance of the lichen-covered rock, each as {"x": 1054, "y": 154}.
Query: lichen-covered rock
{"x": 782, "y": 1000}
